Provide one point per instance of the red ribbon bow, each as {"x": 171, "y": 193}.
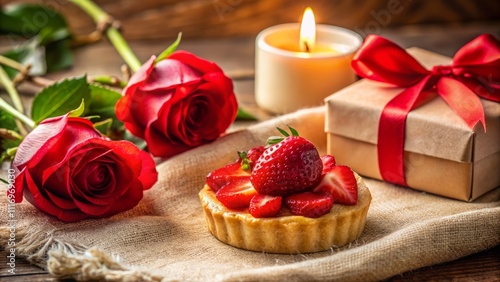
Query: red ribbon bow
{"x": 475, "y": 71}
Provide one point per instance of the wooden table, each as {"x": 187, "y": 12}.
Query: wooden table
{"x": 236, "y": 57}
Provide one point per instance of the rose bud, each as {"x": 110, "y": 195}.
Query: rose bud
{"x": 177, "y": 104}
{"x": 67, "y": 169}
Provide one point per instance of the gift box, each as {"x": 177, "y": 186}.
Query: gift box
{"x": 442, "y": 154}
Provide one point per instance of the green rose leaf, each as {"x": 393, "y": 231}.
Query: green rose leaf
{"x": 102, "y": 103}
{"x": 60, "y": 98}
{"x": 244, "y": 115}
{"x": 9, "y": 135}
{"x": 43, "y": 25}
{"x": 58, "y": 55}
{"x": 7, "y": 121}
{"x": 27, "y": 20}
{"x": 10, "y": 24}
{"x": 53, "y": 34}
{"x": 27, "y": 53}
{"x": 104, "y": 126}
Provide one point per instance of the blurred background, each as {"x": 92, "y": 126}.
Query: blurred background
{"x": 160, "y": 19}
{"x": 223, "y": 31}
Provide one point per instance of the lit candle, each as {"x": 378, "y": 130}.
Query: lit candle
{"x": 298, "y": 65}
{"x": 307, "y": 31}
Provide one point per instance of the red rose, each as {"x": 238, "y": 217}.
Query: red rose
{"x": 68, "y": 170}
{"x": 178, "y": 103}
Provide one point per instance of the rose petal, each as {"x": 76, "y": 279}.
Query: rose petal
{"x": 76, "y": 131}
{"x": 167, "y": 115}
{"x": 124, "y": 154}
{"x": 120, "y": 154}
{"x": 54, "y": 175}
{"x": 19, "y": 186}
{"x": 147, "y": 109}
{"x": 181, "y": 129}
{"x": 159, "y": 146}
{"x": 38, "y": 142}
{"x": 83, "y": 203}
{"x": 219, "y": 80}
{"x": 185, "y": 90}
{"x": 124, "y": 104}
{"x": 169, "y": 73}
{"x": 171, "y": 114}
{"x": 34, "y": 196}
{"x": 60, "y": 202}
{"x": 97, "y": 195}
{"x": 124, "y": 151}
{"x": 197, "y": 63}
{"x": 196, "y": 112}
{"x": 128, "y": 200}
{"x": 205, "y": 128}
{"x": 72, "y": 215}
{"x": 141, "y": 74}
{"x": 218, "y": 83}
{"x": 98, "y": 175}
{"x": 88, "y": 152}
{"x": 177, "y": 122}
{"x": 124, "y": 114}
{"x": 148, "y": 175}
{"x": 54, "y": 189}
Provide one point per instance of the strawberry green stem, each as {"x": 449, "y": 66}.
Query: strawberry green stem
{"x": 114, "y": 36}
{"x": 245, "y": 163}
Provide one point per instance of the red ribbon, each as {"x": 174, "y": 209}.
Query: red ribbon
{"x": 475, "y": 71}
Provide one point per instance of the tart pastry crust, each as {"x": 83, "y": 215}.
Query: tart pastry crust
{"x": 286, "y": 233}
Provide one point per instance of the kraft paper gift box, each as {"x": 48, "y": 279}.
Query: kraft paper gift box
{"x": 442, "y": 155}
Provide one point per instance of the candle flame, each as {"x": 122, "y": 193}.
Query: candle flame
{"x": 307, "y": 31}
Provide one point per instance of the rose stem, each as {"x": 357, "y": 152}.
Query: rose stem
{"x": 14, "y": 95}
{"x": 24, "y": 73}
{"x": 102, "y": 19}
{"x": 8, "y": 84}
{"x": 13, "y": 64}
{"x": 109, "y": 80}
{"x": 44, "y": 82}
{"x": 11, "y": 110}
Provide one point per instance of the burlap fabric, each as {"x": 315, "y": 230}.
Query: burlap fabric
{"x": 165, "y": 236}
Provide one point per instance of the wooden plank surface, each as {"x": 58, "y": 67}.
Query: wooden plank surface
{"x": 158, "y": 19}
{"x": 235, "y": 56}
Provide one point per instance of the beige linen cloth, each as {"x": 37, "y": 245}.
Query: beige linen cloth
{"x": 165, "y": 236}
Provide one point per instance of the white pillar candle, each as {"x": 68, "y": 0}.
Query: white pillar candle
{"x": 288, "y": 78}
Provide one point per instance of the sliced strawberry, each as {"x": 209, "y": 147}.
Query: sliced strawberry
{"x": 328, "y": 163}
{"x": 226, "y": 174}
{"x": 236, "y": 194}
{"x": 265, "y": 206}
{"x": 249, "y": 158}
{"x": 340, "y": 184}
{"x": 309, "y": 204}
{"x": 254, "y": 154}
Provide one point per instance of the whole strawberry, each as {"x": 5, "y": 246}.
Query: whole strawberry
{"x": 291, "y": 165}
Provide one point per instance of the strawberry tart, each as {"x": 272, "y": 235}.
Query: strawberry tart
{"x": 285, "y": 198}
